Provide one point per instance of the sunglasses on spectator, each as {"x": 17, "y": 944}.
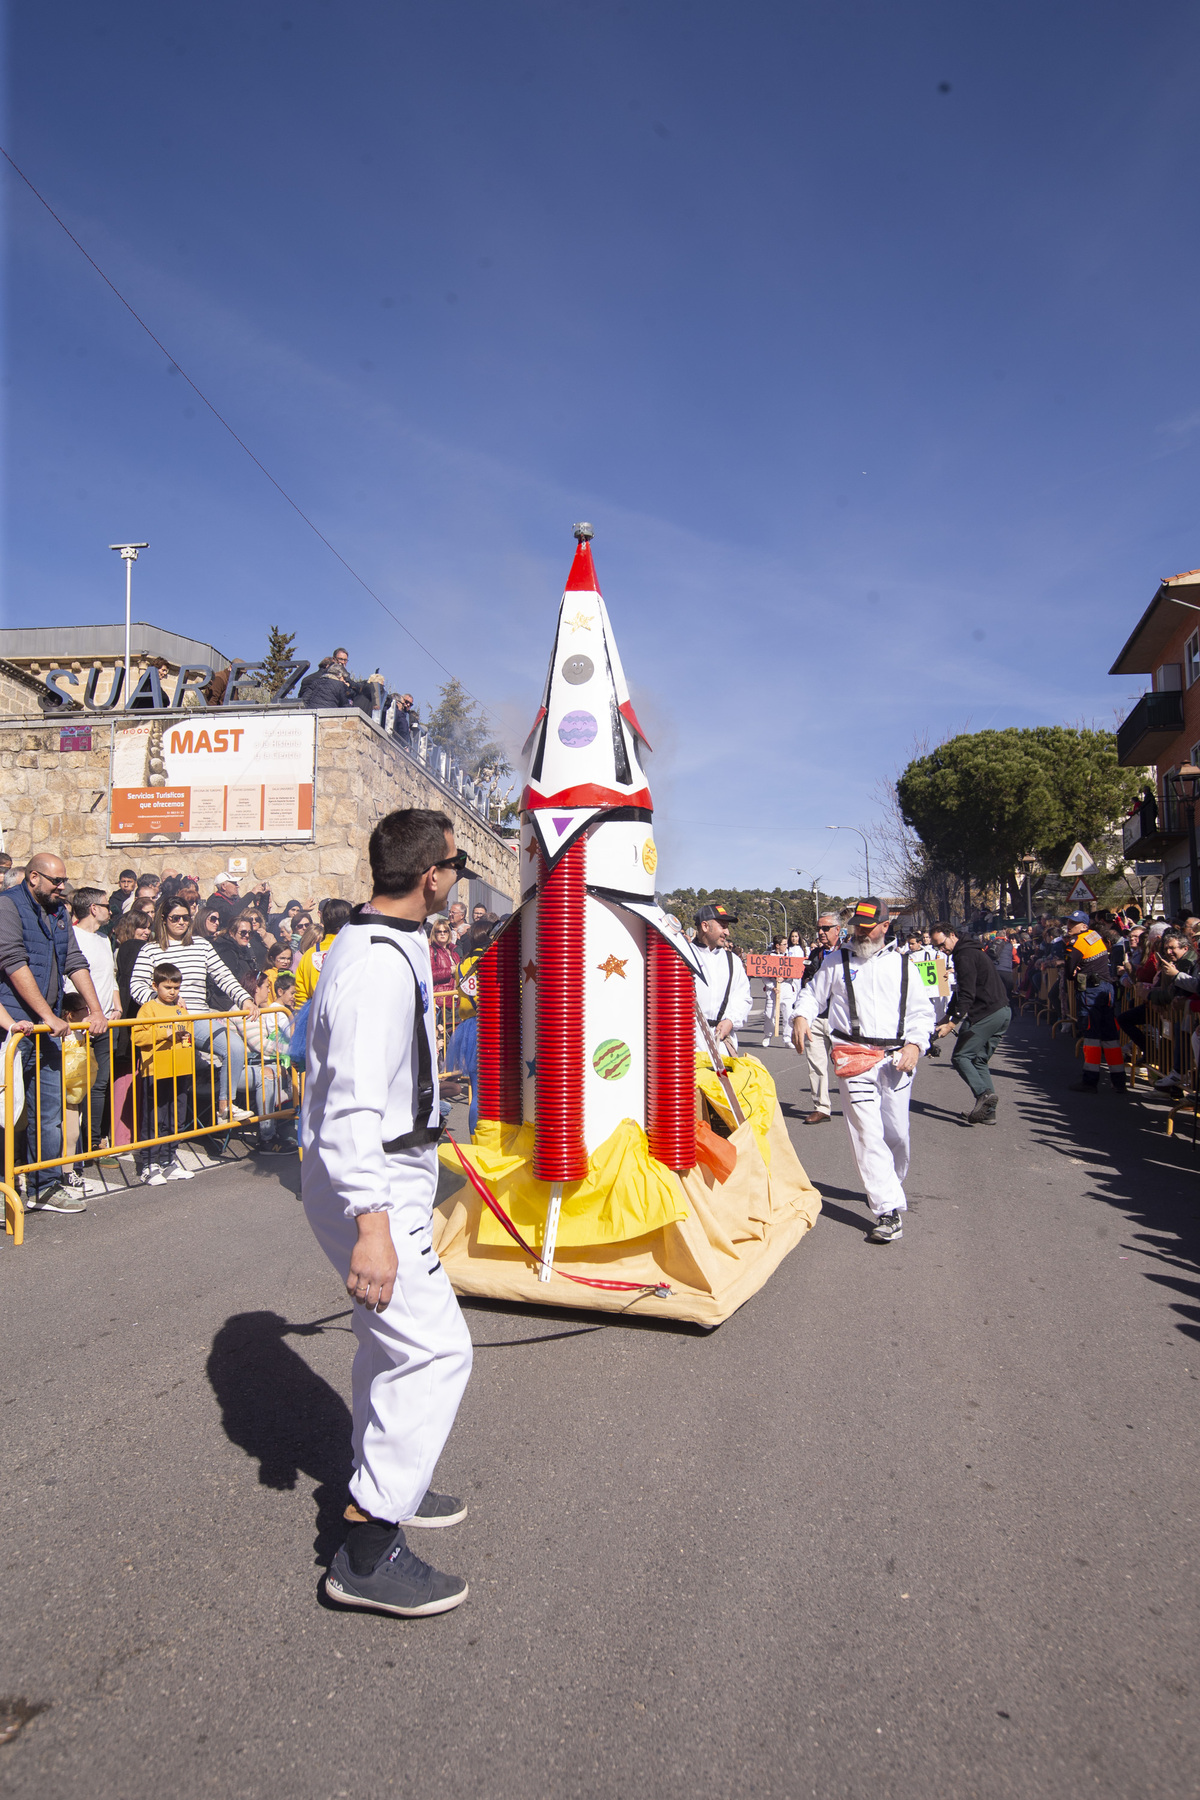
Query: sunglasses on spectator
{"x": 178, "y": 915}
{"x": 457, "y": 861}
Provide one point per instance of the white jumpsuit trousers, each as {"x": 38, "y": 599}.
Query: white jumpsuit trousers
{"x": 414, "y": 1358}
{"x": 876, "y": 1109}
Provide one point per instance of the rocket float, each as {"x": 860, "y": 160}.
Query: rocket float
{"x": 586, "y": 999}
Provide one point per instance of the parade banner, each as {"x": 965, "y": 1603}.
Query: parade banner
{"x": 198, "y": 779}
{"x": 774, "y": 968}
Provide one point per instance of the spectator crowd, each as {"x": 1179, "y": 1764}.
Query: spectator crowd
{"x": 156, "y": 954}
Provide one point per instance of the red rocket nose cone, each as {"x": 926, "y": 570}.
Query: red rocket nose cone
{"x": 583, "y": 572}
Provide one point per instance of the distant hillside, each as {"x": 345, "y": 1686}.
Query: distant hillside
{"x": 758, "y": 911}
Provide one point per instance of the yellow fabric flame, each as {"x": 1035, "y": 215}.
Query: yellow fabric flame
{"x": 625, "y": 1195}
{"x": 754, "y": 1089}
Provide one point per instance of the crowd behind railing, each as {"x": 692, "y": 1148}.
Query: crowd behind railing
{"x": 169, "y": 1019}
{"x": 1155, "y": 978}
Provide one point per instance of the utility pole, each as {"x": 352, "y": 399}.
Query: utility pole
{"x": 129, "y": 555}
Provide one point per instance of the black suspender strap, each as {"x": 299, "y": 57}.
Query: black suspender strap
{"x": 903, "y": 997}
{"x": 423, "y": 1101}
{"x": 728, "y": 990}
{"x": 855, "y": 1027}
{"x": 856, "y": 1033}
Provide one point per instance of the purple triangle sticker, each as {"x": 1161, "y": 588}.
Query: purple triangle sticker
{"x": 560, "y": 824}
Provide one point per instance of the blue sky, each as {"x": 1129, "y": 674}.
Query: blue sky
{"x": 864, "y": 334}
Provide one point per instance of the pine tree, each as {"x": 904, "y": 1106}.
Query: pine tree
{"x": 457, "y": 725}
{"x": 280, "y": 645}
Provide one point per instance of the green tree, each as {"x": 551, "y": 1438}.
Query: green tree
{"x": 280, "y": 648}
{"x": 457, "y": 723}
{"x": 984, "y": 799}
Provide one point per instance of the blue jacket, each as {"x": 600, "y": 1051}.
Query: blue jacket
{"x": 48, "y": 939}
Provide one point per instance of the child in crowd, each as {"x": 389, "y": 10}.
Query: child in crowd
{"x": 78, "y": 1074}
{"x": 279, "y": 963}
{"x": 268, "y": 1065}
{"x": 166, "y": 1066}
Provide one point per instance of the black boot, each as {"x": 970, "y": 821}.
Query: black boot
{"x": 984, "y": 1110}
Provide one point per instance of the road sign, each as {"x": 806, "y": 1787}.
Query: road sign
{"x": 1078, "y": 863}
{"x": 1146, "y": 871}
{"x": 1081, "y": 895}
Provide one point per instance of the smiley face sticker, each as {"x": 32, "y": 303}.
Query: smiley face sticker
{"x": 578, "y": 669}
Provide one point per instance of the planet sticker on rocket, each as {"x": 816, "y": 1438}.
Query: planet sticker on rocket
{"x": 613, "y": 1058}
{"x": 577, "y": 730}
{"x": 578, "y": 669}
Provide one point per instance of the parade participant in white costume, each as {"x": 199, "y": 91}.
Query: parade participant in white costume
{"x": 778, "y": 948}
{"x": 935, "y": 952}
{"x": 370, "y": 1126}
{"x": 874, "y": 1003}
{"x": 724, "y": 991}
{"x": 829, "y": 930}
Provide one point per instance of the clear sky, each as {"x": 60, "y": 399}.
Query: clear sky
{"x": 864, "y": 334}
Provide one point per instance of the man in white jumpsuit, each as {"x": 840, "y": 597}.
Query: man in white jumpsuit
{"x": 829, "y": 930}
{"x": 724, "y": 989}
{"x": 369, "y": 1129}
{"x": 873, "y": 1000}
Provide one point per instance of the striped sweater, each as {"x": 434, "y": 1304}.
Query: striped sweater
{"x": 195, "y": 963}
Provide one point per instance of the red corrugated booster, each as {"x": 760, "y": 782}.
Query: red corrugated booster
{"x": 499, "y": 1007}
{"x": 670, "y": 1055}
{"x": 559, "y": 1151}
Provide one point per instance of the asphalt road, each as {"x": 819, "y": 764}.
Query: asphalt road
{"x": 919, "y": 1520}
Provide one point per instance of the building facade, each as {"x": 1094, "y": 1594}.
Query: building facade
{"x": 68, "y": 784}
{"x": 1163, "y": 729}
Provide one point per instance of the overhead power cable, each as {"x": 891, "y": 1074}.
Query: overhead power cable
{"x": 221, "y": 420}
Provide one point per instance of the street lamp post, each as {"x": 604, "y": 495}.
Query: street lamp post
{"x": 783, "y": 910}
{"x": 1027, "y": 863}
{"x": 1185, "y": 785}
{"x": 129, "y": 554}
{"x": 866, "y": 847}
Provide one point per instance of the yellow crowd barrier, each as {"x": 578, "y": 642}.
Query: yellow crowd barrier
{"x": 230, "y": 1050}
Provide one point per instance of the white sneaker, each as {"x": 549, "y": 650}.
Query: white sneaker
{"x": 155, "y": 1177}
{"x": 177, "y": 1172}
{"x": 1171, "y": 1081}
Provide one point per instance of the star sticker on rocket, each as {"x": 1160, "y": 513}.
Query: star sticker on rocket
{"x": 531, "y": 970}
{"x": 613, "y": 965}
{"x": 531, "y": 1065}
{"x": 531, "y": 850}
{"x": 580, "y": 621}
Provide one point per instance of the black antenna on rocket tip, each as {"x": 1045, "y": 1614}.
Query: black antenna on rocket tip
{"x": 583, "y": 533}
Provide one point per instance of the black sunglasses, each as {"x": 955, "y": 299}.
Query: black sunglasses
{"x": 457, "y": 861}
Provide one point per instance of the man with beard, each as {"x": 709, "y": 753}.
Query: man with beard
{"x": 874, "y": 1004}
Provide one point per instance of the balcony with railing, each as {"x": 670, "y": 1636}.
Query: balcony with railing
{"x": 1151, "y": 728}
{"x": 1144, "y": 845}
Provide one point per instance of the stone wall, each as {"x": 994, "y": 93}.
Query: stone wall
{"x": 52, "y": 799}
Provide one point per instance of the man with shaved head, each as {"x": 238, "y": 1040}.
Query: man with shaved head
{"x": 38, "y": 951}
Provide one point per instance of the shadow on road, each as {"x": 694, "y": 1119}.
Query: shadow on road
{"x": 1139, "y": 1171}
{"x": 277, "y": 1410}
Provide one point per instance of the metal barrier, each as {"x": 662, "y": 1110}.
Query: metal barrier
{"x": 232, "y": 1047}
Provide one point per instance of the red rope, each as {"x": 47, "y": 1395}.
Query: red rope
{"x": 660, "y": 1291}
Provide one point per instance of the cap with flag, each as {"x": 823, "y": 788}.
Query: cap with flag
{"x": 871, "y": 912}
{"x": 718, "y": 912}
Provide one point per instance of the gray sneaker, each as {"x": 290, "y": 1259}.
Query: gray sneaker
{"x": 57, "y": 1199}
{"x": 399, "y": 1583}
{"x": 886, "y": 1229}
{"x": 437, "y": 1510}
